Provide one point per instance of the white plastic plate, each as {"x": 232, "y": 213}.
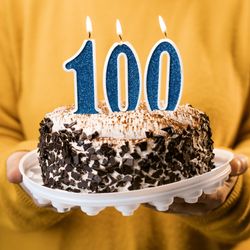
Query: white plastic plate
{"x": 126, "y": 202}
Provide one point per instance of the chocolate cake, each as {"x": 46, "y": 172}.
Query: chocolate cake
{"x": 121, "y": 151}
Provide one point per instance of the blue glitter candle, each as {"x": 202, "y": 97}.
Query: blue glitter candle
{"x": 111, "y": 76}
{"x": 83, "y": 64}
{"x": 153, "y": 72}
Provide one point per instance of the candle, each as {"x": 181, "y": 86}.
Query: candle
{"x": 83, "y": 64}
{"x": 153, "y": 71}
{"x": 111, "y": 75}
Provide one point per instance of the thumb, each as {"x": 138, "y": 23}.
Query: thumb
{"x": 13, "y": 173}
{"x": 239, "y": 165}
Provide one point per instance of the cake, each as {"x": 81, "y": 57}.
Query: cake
{"x": 123, "y": 151}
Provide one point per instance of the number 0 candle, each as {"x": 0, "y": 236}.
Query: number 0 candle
{"x": 153, "y": 72}
{"x": 83, "y": 63}
{"x": 111, "y": 75}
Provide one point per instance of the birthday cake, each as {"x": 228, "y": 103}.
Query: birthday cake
{"x": 123, "y": 151}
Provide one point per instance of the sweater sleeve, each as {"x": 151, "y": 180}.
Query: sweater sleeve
{"x": 230, "y": 222}
{"x": 17, "y": 207}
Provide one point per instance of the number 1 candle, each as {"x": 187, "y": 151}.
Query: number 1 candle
{"x": 83, "y": 63}
{"x": 111, "y": 75}
{"x": 153, "y": 71}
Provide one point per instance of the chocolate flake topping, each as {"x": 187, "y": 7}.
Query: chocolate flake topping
{"x": 93, "y": 136}
{"x": 169, "y": 130}
{"x": 135, "y": 155}
{"x": 70, "y": 125}
{"x": 87, "y": 145}
{"x": 125, "y": 148}
{"x": 149, "y": 134}
{"x": 128, "y": 162}
{"x": 142, "y": 145}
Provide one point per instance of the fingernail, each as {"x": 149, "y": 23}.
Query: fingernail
{"x": 235, "y": 166}
{"x": 236, "y": 163}
{"x": 244, "y": 164}
{"x": 239, "y": 166}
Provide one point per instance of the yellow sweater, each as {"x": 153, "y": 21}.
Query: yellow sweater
{"x": 36, "y": 37}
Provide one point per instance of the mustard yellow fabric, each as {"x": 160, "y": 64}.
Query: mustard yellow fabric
{"x": 36, "y": 37}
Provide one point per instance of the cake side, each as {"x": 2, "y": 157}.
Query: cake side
{"x": 122, "y": 151}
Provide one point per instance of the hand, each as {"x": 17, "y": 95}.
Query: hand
{"x": 208, "y": 202}
{"x": 13, "y": 173}
{"x": 14, "y": 176}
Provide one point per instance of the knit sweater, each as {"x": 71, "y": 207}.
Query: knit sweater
{"x": 36, "y": 37}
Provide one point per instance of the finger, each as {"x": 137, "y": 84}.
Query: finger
{"x": 184, "y": 208}
{"x": 205, "y": 203}
{"x": 188, "y": 208}
{"x": 207, "y": 198}
{"x": 148, "y": 205}
{"x": 217, "y": 198}
{"x": 239, "y": 165}
{"x": 13, "y": 173}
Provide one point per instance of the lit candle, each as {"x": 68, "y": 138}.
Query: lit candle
{"x": 83, "y": 64}
{"x": 153, "y": 72}
{"x": 111, "y": 75}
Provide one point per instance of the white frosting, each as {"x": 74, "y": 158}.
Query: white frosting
{"x": 122, "y": 125}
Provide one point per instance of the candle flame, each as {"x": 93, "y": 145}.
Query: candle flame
{"x": 118, "y": 28}
{"x": 163, "y": 26}
{"x": 88, "y": 25}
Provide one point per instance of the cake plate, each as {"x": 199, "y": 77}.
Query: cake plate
{"x": 126, "y": 202}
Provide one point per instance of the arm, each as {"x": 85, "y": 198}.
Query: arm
{"x": 224, "y": 215}
{"x": 17, "y": 208}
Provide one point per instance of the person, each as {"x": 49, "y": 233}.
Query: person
{"x": 36, "y": 37}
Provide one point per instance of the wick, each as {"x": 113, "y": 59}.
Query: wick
{"x": 165, "y": 34}
{"x": 89, "y": 35}
{"x": 120, "y": 36}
